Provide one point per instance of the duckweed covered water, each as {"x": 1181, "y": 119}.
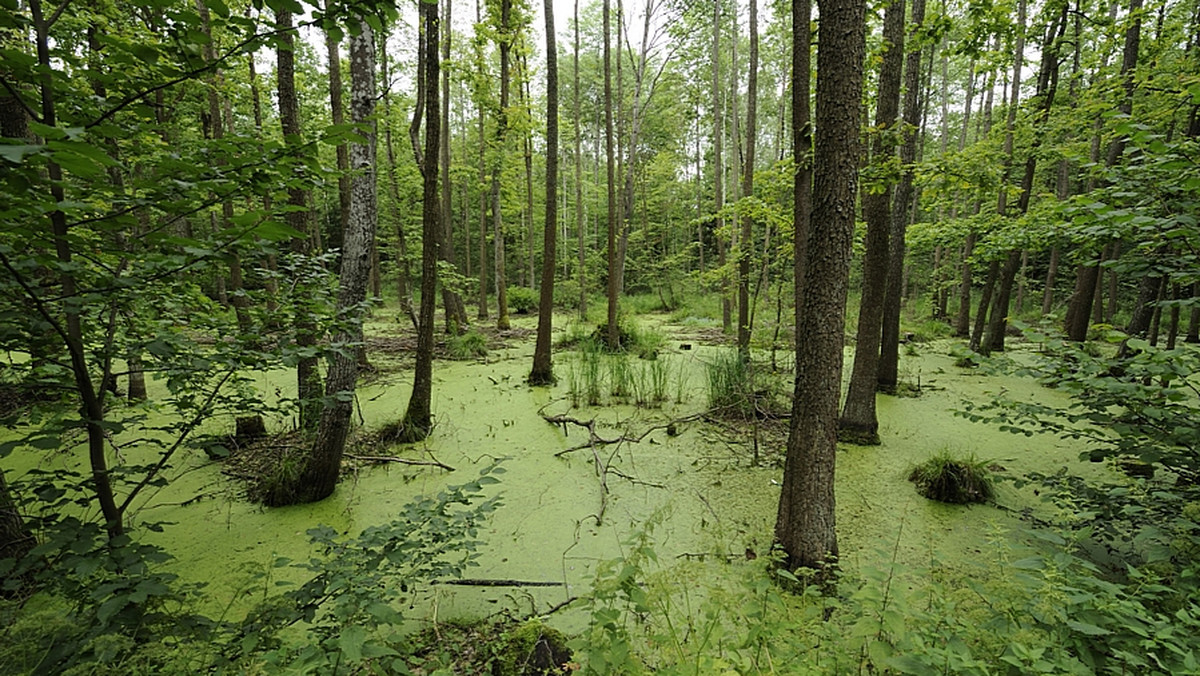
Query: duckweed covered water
{"x": 550, "y": 528}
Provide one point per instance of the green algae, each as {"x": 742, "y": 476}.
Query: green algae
{"x": 562, "y": 515}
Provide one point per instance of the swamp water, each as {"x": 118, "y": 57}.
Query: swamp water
{"x": 700, "y": 481}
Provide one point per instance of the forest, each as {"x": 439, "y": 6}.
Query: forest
{"x": 498, "y": 337}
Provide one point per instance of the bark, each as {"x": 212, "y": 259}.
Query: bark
{"x": 887, "y": 375}
{"x": 402, "y": 266}
{"x": 985, "y": 301}
{"x": 505, "y": 39}
{"x": 319, "y": 477}
{"x": 338, "y": 117}
{"x": 418, "y": 418}
{"x": 580, "y": 226}
{"x": 805, "y": 524}
{"x": 300, "y": 219}
{"x": 859, "y": 423}
{"x": 15, "y": 539}
{"x": 1051, "y": 277}
{"x": 612, "y": 335}
{"x": 542, "y": 373}
{"x": 1173, "y": 327}
{"x": 745, "y": 245}
{"x": 1193, "y": 331}
{"x": 962, "y": 321}
{"x": 452, "y": 302}
{"x": 483, "y": 195}
{"x": 802, "y": 182}
{"x": 719, "y": 159}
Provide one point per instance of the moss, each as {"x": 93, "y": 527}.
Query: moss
{"x": 532, "y": 649}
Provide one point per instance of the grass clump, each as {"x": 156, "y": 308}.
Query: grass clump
{"x": 469, "y": 345}
{"x": 957, "y": 481}
{"x": 737, "y": 390}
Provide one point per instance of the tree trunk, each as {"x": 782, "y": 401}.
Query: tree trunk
{"x": 887, "y": 376}
{"x": 579, "y": 221}
{"x": 1193, "y": 332}
{"x": 612, "y": 335}
{"x": 418, "y": 418}
{"x": 859, "y": 423}
{"x": 505, "y": 40}
{"x": 15, "y": 539}
{"x": 805, "y": 524}
{"x": 402, "y": 271}
{"x": 452, "y": 303}
{"x": 1051, "y": 277}
{"x": 319, "y": 477}
{"x": 300, "y": 219}
{"x": 962, "y": 321}
{"x": 745, "y": 245}
{"x": 719, "y": 160}
{"x": 985, "y": 301}
{"x": 338, "y": 117}
{"x": 542, "y": 373}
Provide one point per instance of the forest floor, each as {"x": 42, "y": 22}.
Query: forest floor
{"x": 581, "y": 480}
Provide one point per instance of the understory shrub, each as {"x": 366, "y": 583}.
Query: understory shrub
{"x": 469, "y": 345}
{"x": 522, "y": 300}
{"x": 958, "y": 481}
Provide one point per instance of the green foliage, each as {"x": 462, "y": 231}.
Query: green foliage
{"x": 522, "y": 300}
{"x": 469, "y": 345}
{"x": 108, "y": 606}
{"x": 737, "y": 389}
{"x": 958, "y": 481}
{"x": 532, "y": 649}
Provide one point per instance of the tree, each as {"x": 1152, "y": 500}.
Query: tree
{"x": 889, "y": 349}
{"x": 418, "y": 418}
{"x": 505, "y": 38}
{"x": 746, "y": 243}
{"x": 542, "y": 373}
{"x": 858, "y": 423}
{"x": 323, "y": 465}
{"x": 299, "y": 217}
{"x": 805, "y": 523}
{"x": 452, "y": 303}
{"x": 611, "y": 337}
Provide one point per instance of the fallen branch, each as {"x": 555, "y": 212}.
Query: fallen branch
{"x": 400, "y": 461}
{"x": 503, "y": 582}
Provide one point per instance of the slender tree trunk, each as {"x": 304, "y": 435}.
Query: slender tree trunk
{"x": 1193, "y": 331}
{"x": 887, "y": 375}
{"x": 579, "y": 220}
{"x": 612, "y": 336}
{"x": 859, "y": 423}
{"x": 299, "y": 217}
{"x": 505, "y": 40}
{"x": 745, "y": 246}
{"x": 719, "y": 161}
{"x": 319, "y": 477}
{"x": 338, "y": 117}
{"x": 452, "y": 302}
{"x": 805, "y": 524}
{"x": 542, "y": 373}
{"x": 393, "y": 179}
{"x": 1051, "y": 277}
{"x": 418, "y": 418}
{"x": 15, "y": 539}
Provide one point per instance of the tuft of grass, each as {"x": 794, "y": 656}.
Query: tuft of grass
{"x": 731, "y": 385}
{"x": 957, "y": 481}
{"x": 469, "y": 345}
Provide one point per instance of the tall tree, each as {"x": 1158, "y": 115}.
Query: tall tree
{"x": 887, "y": 374}
{"x": 719, "y": 160}
{"x": 745, "y": 246}
{"x": 612, "y": 335}
{"x": 418, "y": 418}
{"x": 299, "y": 217}
{"x": 452, "y": 303}
{"x": 542, "y": 373}
{"x": 579, "y": 224}
{"x": 805, "y": 525}
{"x": 859, "y": 423}
{"x": 321, "y": 468}
{"x": 505, "y": 38}
{"x": 393, "y": 182}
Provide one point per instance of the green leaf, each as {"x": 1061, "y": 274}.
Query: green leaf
{"x": 351, "y": 642}
{"x": 16, "y": 154}
{"x": 1089, "y": 629}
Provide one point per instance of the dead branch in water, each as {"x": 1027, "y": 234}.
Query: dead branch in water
{"x": 401, "y": 461}
{"x": 486, "y": 582}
